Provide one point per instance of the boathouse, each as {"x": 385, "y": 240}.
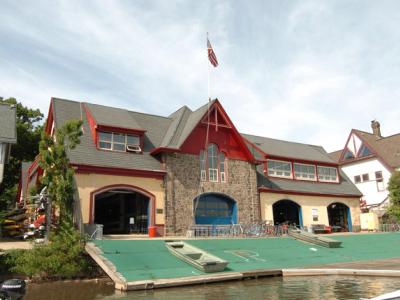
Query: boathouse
{"x": 141, "y": 173}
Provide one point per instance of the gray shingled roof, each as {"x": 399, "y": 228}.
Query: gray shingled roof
{"x": 111, "y": 116}
{"x": 171, "y": 132}
{"x": 8, "y": 130}
{"x": 184, "y": 121}
{"x": 289, "y": 149}
{"x": 86, "y": 152}
{"x": 344, "y": 188}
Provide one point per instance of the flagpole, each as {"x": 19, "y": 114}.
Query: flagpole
{"x": 208, "y": 77}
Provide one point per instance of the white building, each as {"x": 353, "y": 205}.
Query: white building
{"x": 369, "y": 159}
{"x": 8, "y": 134}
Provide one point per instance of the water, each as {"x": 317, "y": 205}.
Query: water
{"x": 294, "y": 288}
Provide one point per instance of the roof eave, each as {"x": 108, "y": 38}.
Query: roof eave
{"x": 293, "y": 192}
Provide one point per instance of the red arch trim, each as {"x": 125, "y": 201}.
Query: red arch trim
{"x": 133, "y": 188}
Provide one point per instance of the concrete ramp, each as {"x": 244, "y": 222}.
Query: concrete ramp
{"x": 106, "y": 265}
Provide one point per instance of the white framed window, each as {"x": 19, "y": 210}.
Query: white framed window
{"x": 212, "y": 154}
{"x": 212, "y": 164}
{"x": 221, "y": 160}
{"x": 118, "y": 141}
{"x": 327, "y": 174}
{"x": 380, "y": 186}
{"x": 365, "y": 177}
{"x": 279, "y": 168}
{"x": 304, "y": 172}
{"x": 203, "y": 174}
{"x": 314, "y": 214}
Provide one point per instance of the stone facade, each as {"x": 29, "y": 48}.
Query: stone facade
{"x": 182, "y": 186}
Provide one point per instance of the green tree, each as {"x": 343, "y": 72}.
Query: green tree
{"x": 394, "y": 195}
{"x": 57, "y": 172}
{"x": 27, "y": 147}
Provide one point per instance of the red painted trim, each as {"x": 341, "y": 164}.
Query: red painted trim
{"x": 87, "y": 169}
{"x": 92, "y": 123}
{"x": 103, "y": 189}
{"x": 377, "y": 156}
{"x": 50, "y": 118}
{"x": 302, "y": 161}
{"x": 164, "y": 149}
{"x": 33, "y": 167}
{"x": 241, "y": 152}
{"x": 117, "y": 129}
{"x": 290, "y": 192}
{"x": 347, "y": 142}
{"x": 255, "y": 147}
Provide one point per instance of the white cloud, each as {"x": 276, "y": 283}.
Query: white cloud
{"x": 309, "y": 71}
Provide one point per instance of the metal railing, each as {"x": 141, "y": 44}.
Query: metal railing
{"x": 238, "y": 230}
{"x": 389, "y": 227}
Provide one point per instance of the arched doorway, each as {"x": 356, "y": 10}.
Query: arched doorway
{"x": 214, "y": 208}
{"x": 122, "y": 210}
{"x": 339, "y": 216}
{"x": 287, "y": 211}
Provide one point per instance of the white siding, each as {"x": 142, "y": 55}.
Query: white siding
{"x": 369, "y": 188}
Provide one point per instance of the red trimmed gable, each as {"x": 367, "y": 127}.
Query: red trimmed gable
{"x": 221, "y": 132}
{"x": 364, "y": 142}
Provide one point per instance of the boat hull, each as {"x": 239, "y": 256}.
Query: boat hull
{"x": 196, "y": 257}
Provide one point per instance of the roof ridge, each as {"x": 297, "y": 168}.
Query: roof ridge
{"x": 363, "y": 131}
{"x": 127, "y": 110}
{"x": 264, "y": 137}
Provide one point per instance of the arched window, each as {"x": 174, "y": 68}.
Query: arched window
{"x": 212, "y": 164}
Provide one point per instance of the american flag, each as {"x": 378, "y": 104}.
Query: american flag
{"x": 211, "y": 54}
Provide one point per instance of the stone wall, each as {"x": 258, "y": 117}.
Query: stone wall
{"x": 182, "y": 185}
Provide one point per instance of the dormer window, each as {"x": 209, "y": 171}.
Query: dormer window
{"x": 279, "y": 168}
{"x": 304, "y": 172}
{"x": 327, "y": 174}
{"x": 212, "y": 164}
{"x": 121, "y": 142}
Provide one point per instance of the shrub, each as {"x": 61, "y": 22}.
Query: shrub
{"x": 64, "y": 257}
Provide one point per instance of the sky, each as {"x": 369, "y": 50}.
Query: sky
{"x": 303, "y": 71}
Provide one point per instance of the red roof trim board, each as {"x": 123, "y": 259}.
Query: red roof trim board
{"x": 50, "y": 118}
{"x": 95, "y": 128}
{"x": 120, "y": 129}
{"x": 255, "y": 147}
{"x": 87, "y": 169}
{"x": 246, "y": 154}
{"x": 313, "y": 162}
{"x": 380, "y": 158}
{"x": 289, "y": 192}
{"x": 164, "y": 149}
{"x": 92, "y": 123}
{"x": 213, "y": 120}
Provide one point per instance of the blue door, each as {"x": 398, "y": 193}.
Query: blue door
{"x": 215, "y": 209}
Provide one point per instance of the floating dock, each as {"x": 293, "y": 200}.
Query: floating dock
{"x": 314, "y": 239}
{"x": 147, "y": 264}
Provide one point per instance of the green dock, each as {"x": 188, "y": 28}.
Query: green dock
{"x": 145, "y": 264}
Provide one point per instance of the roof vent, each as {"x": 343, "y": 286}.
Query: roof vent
{"x": 376, "y": 128}
{"x": 133, "y": 148}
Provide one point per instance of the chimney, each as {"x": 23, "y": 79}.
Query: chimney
{"x": 376, "y": 128}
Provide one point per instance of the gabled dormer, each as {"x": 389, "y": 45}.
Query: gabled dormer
{"x": 114, "y": 129}
{"x": 356, "y": 148}
{"x": 293, "y": 161}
